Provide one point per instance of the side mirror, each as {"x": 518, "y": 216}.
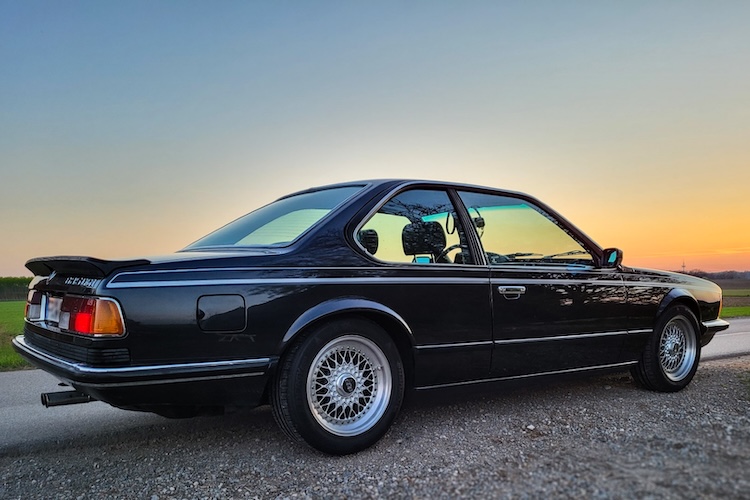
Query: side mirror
{"x": 611, "y": 258}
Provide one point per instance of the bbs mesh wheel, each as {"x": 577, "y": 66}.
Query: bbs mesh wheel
{"x": 671, "y": 356}
{"x": 339, "y": 387}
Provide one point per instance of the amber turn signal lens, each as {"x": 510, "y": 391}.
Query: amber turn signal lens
{"x": 107, "y": 319}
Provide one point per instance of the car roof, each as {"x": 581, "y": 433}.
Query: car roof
{"x": 397, "y": 183}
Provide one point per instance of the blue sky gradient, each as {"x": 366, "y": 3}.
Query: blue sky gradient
{"x": 136, "y": 127}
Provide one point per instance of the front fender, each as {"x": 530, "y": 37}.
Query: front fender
{"x": 682, "y": 296}
{"x": 339, "y": 306}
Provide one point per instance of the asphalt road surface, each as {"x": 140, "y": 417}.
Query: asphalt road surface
{"x": 733, "y": 341}
{"x": 25, "y": 424}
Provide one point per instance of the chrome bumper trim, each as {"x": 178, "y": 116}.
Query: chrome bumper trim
{"x": 82, "y": 374}
{"x": 715, "y": 325}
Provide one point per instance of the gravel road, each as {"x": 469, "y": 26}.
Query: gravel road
{"x": 599, "y": 437}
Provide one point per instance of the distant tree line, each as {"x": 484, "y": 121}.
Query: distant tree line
{"x": 721, "y": 275}
{"x": 14, "y": 288}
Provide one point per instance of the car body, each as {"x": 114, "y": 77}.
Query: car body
{"x": 332, "y": 302}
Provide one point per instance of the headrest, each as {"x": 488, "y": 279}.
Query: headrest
{"x": 422, "y": 238}
{"x": 369, "y": 239}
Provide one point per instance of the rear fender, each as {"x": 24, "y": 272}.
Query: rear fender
{"x": 344, "y": 305}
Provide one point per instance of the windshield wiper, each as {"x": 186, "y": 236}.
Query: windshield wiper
{"x": 521, "y": 254}
{"x": 564, "y": 254}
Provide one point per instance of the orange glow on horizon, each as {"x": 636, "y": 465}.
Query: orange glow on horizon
{"x": 708, "y": 262}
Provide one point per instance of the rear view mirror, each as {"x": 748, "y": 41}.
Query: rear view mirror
{"x": 611, "y": 258}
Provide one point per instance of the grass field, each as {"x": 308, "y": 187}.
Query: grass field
{"x": 735, "y": 311}
{"x": 11, "y": 324}
{"x": 736, "y": 298}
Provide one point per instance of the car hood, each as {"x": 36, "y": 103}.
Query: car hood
{"x": 672, "y": 277}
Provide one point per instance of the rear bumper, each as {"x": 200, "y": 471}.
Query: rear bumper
{"x": 209, "y": 383}
{"x": 711, "y": 328}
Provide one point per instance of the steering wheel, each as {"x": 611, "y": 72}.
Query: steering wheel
{"x": 444, "y": 254}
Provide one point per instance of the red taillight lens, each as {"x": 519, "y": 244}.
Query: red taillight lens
{"x": 91, "y": 316}
{"x": 82, "y": 322}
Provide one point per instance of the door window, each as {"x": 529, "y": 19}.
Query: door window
{"x": 514, "y": 231}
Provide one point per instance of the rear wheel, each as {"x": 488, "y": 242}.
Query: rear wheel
{"x": 670, "y": 359}
{"x": 340, "y": 387}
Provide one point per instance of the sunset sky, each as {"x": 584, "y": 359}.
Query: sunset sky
{"x": 133, "y": 128}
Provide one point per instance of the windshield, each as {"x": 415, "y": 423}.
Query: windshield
{"x": 279, "y": 223}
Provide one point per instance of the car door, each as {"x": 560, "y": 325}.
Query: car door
{"x": 553, "y": 309}
{"x": 418, "y": 242}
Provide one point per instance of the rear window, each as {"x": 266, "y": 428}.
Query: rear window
{"x": 278, "y": 223}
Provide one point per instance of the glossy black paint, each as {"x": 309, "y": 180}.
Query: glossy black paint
{"x": 206, "y": 329}
{"x": 557, "y": 305}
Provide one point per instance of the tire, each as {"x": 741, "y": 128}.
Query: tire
{"x": 671, "y": 356}
{"x": 339, "y": 387}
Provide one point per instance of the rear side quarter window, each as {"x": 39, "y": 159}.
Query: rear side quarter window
{"x": 419, "y": 226}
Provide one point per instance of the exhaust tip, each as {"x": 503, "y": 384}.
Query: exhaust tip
{"x": 50, "y": 399}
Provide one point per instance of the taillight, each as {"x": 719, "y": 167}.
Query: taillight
{"x": 91, "y": 316}
{"x": 33, "y": 305}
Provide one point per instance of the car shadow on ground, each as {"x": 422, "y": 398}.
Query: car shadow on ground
{"x": 257, "y": 427}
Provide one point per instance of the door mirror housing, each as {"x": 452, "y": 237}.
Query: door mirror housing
{"x": 611, "y": 258}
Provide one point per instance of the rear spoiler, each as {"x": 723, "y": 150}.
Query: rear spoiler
{"x": 79, "y": 266}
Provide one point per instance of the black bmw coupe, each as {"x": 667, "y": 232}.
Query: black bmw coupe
{"x": 330, "y": 303}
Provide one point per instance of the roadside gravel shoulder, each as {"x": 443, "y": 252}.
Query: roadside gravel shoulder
{"x": 599, "y": 437}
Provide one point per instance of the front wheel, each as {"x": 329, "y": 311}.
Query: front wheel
{"x": 670, "y": 359}
{"x": 340, "y": 387}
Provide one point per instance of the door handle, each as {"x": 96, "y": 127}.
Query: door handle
{"x": 512, "y": 292}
